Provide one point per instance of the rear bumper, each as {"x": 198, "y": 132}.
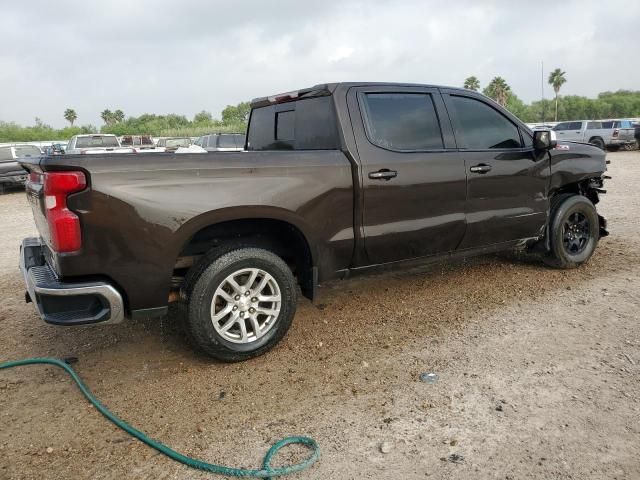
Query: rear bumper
{"x": 14, "y": 178}
{"x": 621, "y": 141}
{"x": 66, "y": 303}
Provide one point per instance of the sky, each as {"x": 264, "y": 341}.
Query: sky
{"x": 158, "y": 56}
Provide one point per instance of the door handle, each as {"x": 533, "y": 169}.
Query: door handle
{"x": 482, "y": 168}
{"x": 384, "y": 174}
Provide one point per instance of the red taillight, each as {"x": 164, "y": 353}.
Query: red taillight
{"x": 64, "y": 225}
{"x": 615, "y": 132}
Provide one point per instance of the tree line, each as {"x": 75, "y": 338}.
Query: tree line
{"x": 619, "y": 104}
{"x": 234, "y": 118}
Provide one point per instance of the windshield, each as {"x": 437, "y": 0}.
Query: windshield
{"x": 97, "y": 141}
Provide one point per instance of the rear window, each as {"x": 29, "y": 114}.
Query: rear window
{"x": 178, "y": 142}
{"x": 96, "y": 141}
{"x": 5, "y": 154}
{"x": 308, "y": 124}
{"x": 27, "y": 151}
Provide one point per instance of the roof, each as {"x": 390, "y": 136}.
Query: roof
{"x": 325, "y": 89}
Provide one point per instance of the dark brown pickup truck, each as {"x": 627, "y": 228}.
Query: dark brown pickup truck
{"x": 334, "y": 180}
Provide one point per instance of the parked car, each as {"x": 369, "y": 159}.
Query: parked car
{"x": 222, "y": 142}
{"x": 11, "y": 172}
{"x": 636, "y": 127}
{"x": 92, "y": 144}
{"x": 337, "y": 179}
{"x": 173, "y": 143}
{"x": 602, "y": 134}
{"x": 142, "y": 143}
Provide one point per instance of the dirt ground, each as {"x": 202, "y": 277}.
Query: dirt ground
{"x": 538, "y": 374}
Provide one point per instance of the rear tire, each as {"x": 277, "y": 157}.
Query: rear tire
{"x": 574, "y": 231}
{"x": 597, "y": 142}
{"x": 241, "y": 304}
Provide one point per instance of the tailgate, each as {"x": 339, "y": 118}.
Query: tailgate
{"x": 35, "y": 195}
{"x": 627, "y": 134}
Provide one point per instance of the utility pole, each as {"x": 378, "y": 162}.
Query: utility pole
{"x": 542, "y": 89}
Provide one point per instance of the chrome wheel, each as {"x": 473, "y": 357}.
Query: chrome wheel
{"x": 246, "y": 305}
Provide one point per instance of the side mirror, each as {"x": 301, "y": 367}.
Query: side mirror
{"x": 544, "y": 139}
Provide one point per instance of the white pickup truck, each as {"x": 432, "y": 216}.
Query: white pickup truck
{"x": 96, "y": 144}
{"x": 602, "y": 134}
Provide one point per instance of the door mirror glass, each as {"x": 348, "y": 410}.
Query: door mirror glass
{"x": 544, "y": 139}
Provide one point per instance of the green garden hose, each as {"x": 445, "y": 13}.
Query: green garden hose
{"x": 266, "y": 471}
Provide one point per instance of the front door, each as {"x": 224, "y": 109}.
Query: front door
{"x": 413, "y": 181}
{"x": 507, "y": 186}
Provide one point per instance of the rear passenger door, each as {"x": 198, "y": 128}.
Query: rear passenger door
{"x": 507, "y": 182}
{"x": 413, "y": 183}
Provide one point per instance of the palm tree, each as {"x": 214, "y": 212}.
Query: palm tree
{"x": 106, "y": 116}
{"x": 499, "y": 90}
{"x": 472, "y": 83}
{"x": 118, "y": 115}
{"x": 556, "y": 80}
{"x": 70, "y": 115}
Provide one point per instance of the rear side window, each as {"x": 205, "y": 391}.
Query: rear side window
{"x": 307, "y": 124}
{"x": 231, "y": 141}
{"x": 480, "y": 127}
{"x": 402, "y": 121}
{"x": 594, "y": 125}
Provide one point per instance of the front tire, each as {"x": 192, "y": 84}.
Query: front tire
{"x": 241, "y": 304}
{"x": 574, "y": 231}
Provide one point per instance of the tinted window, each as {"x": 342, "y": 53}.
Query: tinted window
{"x": 285, "y": 125}
{"x": 96, "y": 141}
{"x": 27, "y": 151}
{"x": 5, "y": 154}
{"x": 574, "y": 126}
{"x": 561, "y": 127}
{"x": 402, "y": 121}
{"x": 314, "y": 126}
{"x": 594, "y": 125}
{"x": 607, "y": 124}
{"x": 480, "y": 127}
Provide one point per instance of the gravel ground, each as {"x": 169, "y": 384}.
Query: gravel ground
{"x": 538, "y": 374}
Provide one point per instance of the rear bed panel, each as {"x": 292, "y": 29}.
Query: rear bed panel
{"x": 140, "y": 210}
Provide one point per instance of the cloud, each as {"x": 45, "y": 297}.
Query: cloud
{"x": 182, "y": 57}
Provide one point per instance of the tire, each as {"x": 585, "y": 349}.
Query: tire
{"x": 597, "y": 142}
{"x": 574, "y": 232}
{"x": 256, "y": 332}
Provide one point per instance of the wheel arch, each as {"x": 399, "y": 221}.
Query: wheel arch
{"x": 275, "y": 229}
